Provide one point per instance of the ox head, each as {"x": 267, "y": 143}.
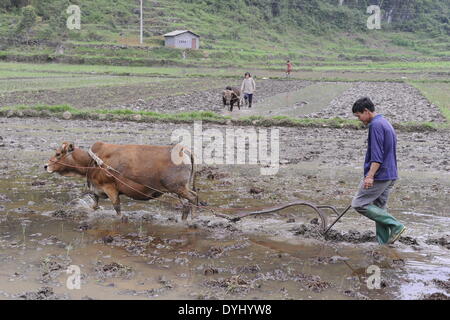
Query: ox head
{"x": 61, "y": 157}
{"x": 228, "y": 95}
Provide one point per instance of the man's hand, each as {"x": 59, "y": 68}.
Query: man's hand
{"x": 368, "y": 182}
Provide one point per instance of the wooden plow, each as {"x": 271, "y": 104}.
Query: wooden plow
{"x": 324, "y": 227}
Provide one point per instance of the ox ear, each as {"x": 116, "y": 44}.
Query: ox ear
{"x": 67, "y": 147}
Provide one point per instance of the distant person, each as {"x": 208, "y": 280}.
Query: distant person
{"x": 380, "y": 173}
{"x": 248, "y": 87}
{"x": 288, "y": 69}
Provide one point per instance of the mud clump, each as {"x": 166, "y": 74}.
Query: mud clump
{"x": 211, "y": 173}
{"x": 352, "y": 236}
{"x": 328, "y": 260}
{"x": 313, "y": 283}
{"x": 136, "y": 246}
{"x": 317, "y": 285}
{"x": 44, "y": 293}
{"x": 60, "y": 213}
{"x": 38, "y": 183}
{"x": 436, "y": 296}
{"x": 254, "y": 268}
{"x": 307, "y": 231}
{"x": 150, "y": 293}
{"x": 210, "y": 271}
{"x": 442, "y": 241}
{"x": 66, "y": 214}
{"x": 235, "y": 284}
{"x": 52, "y": 266}
{"x": 443, "y": 284}
{"x": 354, "y": 294}
{"x": 408, "y": 241}
{"x": 113, "y": 270}
{"x": 214, "y": 252}
{"x": 255, "y": 190}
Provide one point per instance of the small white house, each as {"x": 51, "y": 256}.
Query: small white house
{"x": 183, "y": 39}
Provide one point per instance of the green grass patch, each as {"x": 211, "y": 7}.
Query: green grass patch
{"x": 71, "y": 74}
{"x": 48, "y": 82}
{"x": 437, "y": 93}
{"x": 207, "y": 116}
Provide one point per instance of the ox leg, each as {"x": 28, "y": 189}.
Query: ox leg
{"x": 191, "y": 196}
{"x": 185, "y": 209}
{"x": 113, "y": 195}
{"x": 96, "y": 198}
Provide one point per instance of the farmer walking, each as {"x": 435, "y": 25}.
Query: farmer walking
{"x": 380, "y": 173}
{"x": 248, "y": 87}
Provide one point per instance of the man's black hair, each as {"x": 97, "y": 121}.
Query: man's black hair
{"x": 364, "y": 103}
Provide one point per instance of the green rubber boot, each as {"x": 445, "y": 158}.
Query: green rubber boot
{"x": 388, "y": 228}
{"x": 383, "y": 233}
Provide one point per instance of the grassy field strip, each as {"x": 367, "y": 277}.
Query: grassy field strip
{"x": 441, "y": 66}
{"x": 17, "y": 85}
{"x": 386, "y": 68}
{"x": 11, "y": 74}
{"x": 437, "y": 93}
{"x": 8, "y": 72}
{"x": 207, "y": 116}
{"x": 69, "y": 68}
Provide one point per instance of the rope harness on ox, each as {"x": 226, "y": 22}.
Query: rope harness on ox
{"x": 241, "y": 212}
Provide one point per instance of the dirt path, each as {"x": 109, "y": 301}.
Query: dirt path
{"x": 399, "y": 102}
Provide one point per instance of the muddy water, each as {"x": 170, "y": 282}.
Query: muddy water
{"x": 178, "y": 261}
{"x": 203, "y": 258}
{"x": 279, "y": 256}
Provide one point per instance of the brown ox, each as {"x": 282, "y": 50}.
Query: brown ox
{"x": 140, "y": 172}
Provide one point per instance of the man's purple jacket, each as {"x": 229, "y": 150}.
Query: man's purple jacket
{"x": 382, "y": 148}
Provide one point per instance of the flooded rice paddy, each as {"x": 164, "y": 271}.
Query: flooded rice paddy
{"x": 46, "y": 226}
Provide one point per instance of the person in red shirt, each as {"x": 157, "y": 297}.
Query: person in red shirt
{"x": 289, "y": 69}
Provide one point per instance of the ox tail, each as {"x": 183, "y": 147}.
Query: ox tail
{"x": 193, "y": 178}
{"x": 193, "y": 175}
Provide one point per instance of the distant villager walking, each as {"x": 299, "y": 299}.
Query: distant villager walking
{"x": 289, "y": 69}
{"x": 248, "y": 87}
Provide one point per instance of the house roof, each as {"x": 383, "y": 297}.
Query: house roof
{"x": 178, "y": 32}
